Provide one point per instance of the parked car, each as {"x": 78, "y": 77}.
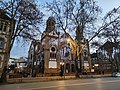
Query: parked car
{"x": 116, "y": 74}
{"x": 24, "y": 73}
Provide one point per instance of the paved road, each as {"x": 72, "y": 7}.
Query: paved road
{"x": 109, "y": 83}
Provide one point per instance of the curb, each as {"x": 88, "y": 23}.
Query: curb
{"x": 45, "y": 79}
{"x": 38, "y": 79}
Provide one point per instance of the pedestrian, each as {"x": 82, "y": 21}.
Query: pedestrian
{"x": 61, "y": 73}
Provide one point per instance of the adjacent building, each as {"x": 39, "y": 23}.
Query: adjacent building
{"x": 5, "y": 37}
{"x": 95, "y": 63}
{"x": 109, "y": 57}
{"x": 17, "y": 65}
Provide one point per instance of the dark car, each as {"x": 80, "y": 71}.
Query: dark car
{"x": 25, "y": 73}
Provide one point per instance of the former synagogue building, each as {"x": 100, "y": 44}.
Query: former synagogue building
{"x": 55, "y": 53}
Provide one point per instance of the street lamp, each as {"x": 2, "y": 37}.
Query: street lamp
{"x": 96, "y": 68}
{"x": 96, "y": 65}
{"x": 62, "y": 63}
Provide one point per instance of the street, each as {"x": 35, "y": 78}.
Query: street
{"x": 109, "y": 83}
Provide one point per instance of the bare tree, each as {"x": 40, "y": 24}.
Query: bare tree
{"x": 60, "y": 10}
{"x": 109, "y": 29}
{"x": 111, "y": 33}
{"x": 76, "y": 16}
{"x": 84, "y": 16}
{"x": 25, "y": 18}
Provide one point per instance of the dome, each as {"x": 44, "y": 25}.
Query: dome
{"x": 51, "y": 19}
{"x": 50, "y": 23}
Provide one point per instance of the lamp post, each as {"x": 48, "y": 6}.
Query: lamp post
{"x": 61, "y": 69}
{"x": 96, "y": 68}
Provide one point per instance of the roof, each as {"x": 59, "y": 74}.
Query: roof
{"x": 110, "y": 45}
{"x": 66, "y": 35}
{"x": 3, "y": 15}
{"x": 94, "y": 55}
{"x": 51, "y": 18}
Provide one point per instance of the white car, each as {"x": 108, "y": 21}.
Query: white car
{"x": 116, "y": 74}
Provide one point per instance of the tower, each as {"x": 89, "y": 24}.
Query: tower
{"x": 50, "y": 42}
{"x": 50, "y": 25}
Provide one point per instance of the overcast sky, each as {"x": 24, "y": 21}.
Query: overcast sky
{"x": 106, "y": 5}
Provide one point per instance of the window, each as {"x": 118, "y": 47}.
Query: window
{"x": 2, "y": 41}
{"x": 52, "y": 55}
{"x": 53, "y": 52}
{"x": 1, "y": 62}
{"x": 85, "y": 59}
{"x": 42, "y": 55}
{"x": 52, "y": 64}
{"x": 5, "y": 27}
{"x": 1, "y": 26}
{"x": 53, "y": 49}
{"x": 85, "y": 54}
{"x": 31, "y": 56}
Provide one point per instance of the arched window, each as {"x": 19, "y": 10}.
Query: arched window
{"x": 53, "y": 52}
{"x": 0, "y": 62}
{"x": 2, "y": 42}
{"x": 1, "y": 26}
{"x": 5, "y": 27}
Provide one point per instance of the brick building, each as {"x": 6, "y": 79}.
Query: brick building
{"x": 109, "y": 57}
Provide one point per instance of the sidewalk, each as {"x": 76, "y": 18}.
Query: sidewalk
{"x": 38, "y": 79}
{"x": 51, "y": 78}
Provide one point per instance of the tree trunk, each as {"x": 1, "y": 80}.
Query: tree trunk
{"x": 3, "y": 78}
{"x": 76, "y": 68}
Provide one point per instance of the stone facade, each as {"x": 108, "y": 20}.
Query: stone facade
{"x": 50, "y": 43}
{"x": 5, "y": 33}
{"x": 56, "y": 53}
